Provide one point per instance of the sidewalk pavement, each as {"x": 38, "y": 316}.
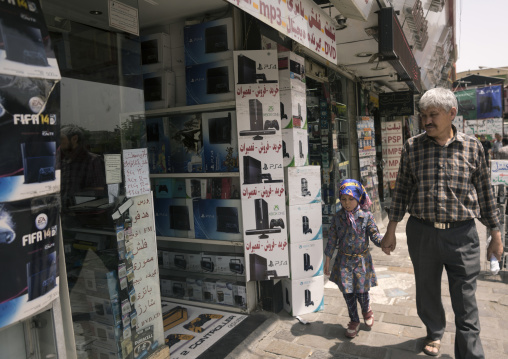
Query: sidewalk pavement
{"x": 397, "y": 333}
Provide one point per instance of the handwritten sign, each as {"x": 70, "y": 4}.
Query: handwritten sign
{"x": 303, "y": 21}
{"x": 145, "y": 266}
{"x": 499, "y": 172}
{"x": 135, "y": 166}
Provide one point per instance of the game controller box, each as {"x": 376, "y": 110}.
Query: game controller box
{"x": 104, "y": 310}
{"x": 170, "y": 188}
{"x": 230, "y": 264}
{"x": 220, "y": 142}
{"x": 302, "y": 296}
{"x": 303, "y": 185}
{"x": 195, "y": 289}
{"x": 159, "y": 89}
{"x": 185, "y": 144}
{"x": 306, "y": 259}
{"x": 304, "y": 223}
{"x": 218, "y": 219}
{"x": 224, "y": 292}
{"x": 208, "y": 41}
{"x": 291, "y": 72}
{"x": 293, "y": 109}
{"x": 195, "y": 188}
{"x": 210, "y": 82}
{"x": 173, "y": 217}
{"x": 209, "y": 290}
{"x": 295, "y": 147}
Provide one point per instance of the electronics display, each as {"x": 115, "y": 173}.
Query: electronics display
{"x": 179, "y": 218}
{"x": 291, "y": 72}
{"x": 297, "y": 147}
{"x": 308, "y": 298}
{"x": 220, "y": 142}
{"x": 208, "y": 41}
{"x": 180, "y": 261}
{"x": 207, "y": 265}
{"x": 23, "y": 44}
{"x": 262, "y": 226}
{"x": 305, "y": 224}
{"x": 216, "y": 39}
{"x": 217, "y": 80}
{"x": 41, "y": 275}
{"x": 155, "y": 52}
{"x": 39, "y": 161}
{"x": 252, "y": 172}
{"x": 218, "y": 219}
{"x": 258, "y": 267}
{"x": 227, "y": 219}
{"x": 247, "y": 72}
{"x": 306, "y": 262}
{"x": 159, "y": 89}
{"x": 236, "y": 266}
{"x": 305, "y": 187}
{"x": 256, "y": 121}
{"x": 219, "y": 129}
{"x": 304, "y": 295}
{"x": 209, "y": 82}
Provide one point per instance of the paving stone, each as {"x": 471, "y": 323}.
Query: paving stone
{"x": 505, "y": 346}
{"x": 395, "y": 292}
{"x": 365, "y": 351}
{"x": 317, "y": 342}
{"x": 388, "y": 309}
{"x": 489, "y": 331}
{"x": 503, "y": 290}
{"x": 285, "y": 335}
{"x": 402, "y": 269}
{"x": 413, "y": 312}
{"x": 387, "y": 328}
{"x": 413, "y": 332}
{"x": 404, "y": 354}
{"x": 402, "y": 320}
{"x": 288, "y": 349}
{"x": 490, "y": 345}
{"x": 321, "y": 355}
{"x": 489, "y": 296}
{"x": 392, "y": 341}
{"x": 503, "y": 300}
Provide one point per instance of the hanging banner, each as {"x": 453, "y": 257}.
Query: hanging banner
{"x": 303, "y": 21}
{"x": 29, "y": 231}
{"x": 467, "y": 104}
{"x": 261, "y": 164}
{"x": 489, "y": 101}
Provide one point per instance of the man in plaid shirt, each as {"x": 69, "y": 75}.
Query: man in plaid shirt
{"x": 444, "y": 183}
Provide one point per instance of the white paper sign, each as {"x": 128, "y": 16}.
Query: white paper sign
{"x": 499, "y": 172}
{"x": 113, "y": 165}
{"x": 135, "y": 166}
{"x": 303, "y": 21}
{"x": 123, "y": 17}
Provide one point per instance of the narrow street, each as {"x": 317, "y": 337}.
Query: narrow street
{"x": 398, "y": 332}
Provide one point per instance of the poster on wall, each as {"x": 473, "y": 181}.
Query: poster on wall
{"x": 29, "y": 231}
{"x": 261, "y": 164}
{"x": 489, "y": 101}
{"x": 392, "y": 143}
{"x": 303, "y": 21}
{"x": 467, "y": 104}
{"x": 145, "y": 266}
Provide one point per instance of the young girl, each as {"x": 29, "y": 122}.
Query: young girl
{"x": 353, "y": 270}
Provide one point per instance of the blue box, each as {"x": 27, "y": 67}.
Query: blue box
{"x": 209, "y": 41}
{"x": 219, "y": 219}
{"x": 185, "y": 144}
{"x": 210, "y": 82}
{"x": 173, "y": 217}
{"x": 220, "y": 142}
{"x": 157, "y": 142}
{"x": 170, "y": 188}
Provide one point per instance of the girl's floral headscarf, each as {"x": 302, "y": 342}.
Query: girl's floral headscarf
{"x": 355, "y": 189}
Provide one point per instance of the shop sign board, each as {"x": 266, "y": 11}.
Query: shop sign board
{"x": 392, "y": 143}
{"x": 303, "y": 21}
{"x": 396, "y": 104}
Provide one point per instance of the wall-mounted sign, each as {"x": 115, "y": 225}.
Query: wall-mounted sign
{"x": 394, "y": 48}
{"x": 303, "y": 21}
{"x": 396, "y": 104}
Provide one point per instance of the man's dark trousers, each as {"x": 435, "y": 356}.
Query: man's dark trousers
{"x": 458, "y": 251}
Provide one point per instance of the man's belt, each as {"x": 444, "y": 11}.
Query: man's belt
{"x": 440, "y": 225}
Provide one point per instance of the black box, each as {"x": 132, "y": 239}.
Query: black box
{"x": 271, "y": 295}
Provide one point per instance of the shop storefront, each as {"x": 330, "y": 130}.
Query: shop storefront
{"x": 193, "y": 161}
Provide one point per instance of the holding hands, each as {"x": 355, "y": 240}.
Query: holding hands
{"x": 388, "y": 243}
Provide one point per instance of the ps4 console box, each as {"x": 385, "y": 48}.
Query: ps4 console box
{"x": 208, "y": 41}
{"x": 304, "y": 223}
{"x": 195, "y": 188}
{"x": 185, "y": 143}
{"x": 195, "y": 289}
{"x": 104, "y": 310}
{"x": 210, "y": 82}
{"x": 173, "y": 217}
{"x": 302, "y": 296}
{"x": 303, "y": 185}
{"x": 261, "y": 162}
{"x": 220, "y": 142}
{"x": 306, "y": 259}
{"x": 157, "y": 142}
{"x": 170, "y": 188}
{"x": 291, "y": 72}
{"x": 209, "y": 290}
{"x": 224, "y": 292}
{"x": 155, "y": 52}
{"x": 239, "y": 295}
{"x": 218, "y": 219}
{"x": 295, "y": 147}
{"x": 159, "y": 89}
{"x": 293, "y": 109}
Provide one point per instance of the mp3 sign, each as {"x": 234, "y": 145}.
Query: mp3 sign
{"x": 301, "y": 20}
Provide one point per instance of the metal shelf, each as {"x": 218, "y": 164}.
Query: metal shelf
{"x": 191, "y": 109}
{"x": 188, "y": 274}
{"x": 195, "y": 175}
{"x": 201, "y": 241}
{"x": 207, "y": 305}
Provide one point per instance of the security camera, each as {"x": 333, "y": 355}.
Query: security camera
{"x": 341, "y": 22}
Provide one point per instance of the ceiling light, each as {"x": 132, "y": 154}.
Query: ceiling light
{"x": 96, "y": 12}
{"x": 364, "y": 54}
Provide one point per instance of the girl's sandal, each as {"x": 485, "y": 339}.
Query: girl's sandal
{"x": 368, "y": 318}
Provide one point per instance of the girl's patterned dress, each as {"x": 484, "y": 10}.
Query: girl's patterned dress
{"x": 353, "y": 270}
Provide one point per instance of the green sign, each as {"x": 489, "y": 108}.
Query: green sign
{"x": 467, "y": 104}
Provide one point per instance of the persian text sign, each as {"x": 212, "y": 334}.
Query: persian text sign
{"x": 301, "y": 20}
{"x": 499, "y": 172}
